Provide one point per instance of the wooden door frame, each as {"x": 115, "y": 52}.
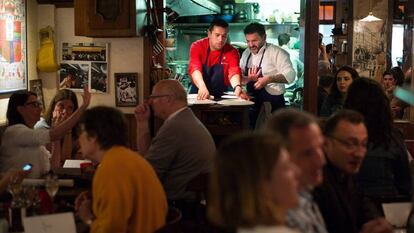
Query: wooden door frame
{"x": 311, "y": 56}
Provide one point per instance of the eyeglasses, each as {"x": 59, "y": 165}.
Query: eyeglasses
{"x": 157, "y": 96}
{"x": 35, "y": 104}
{"x": 351, "y": 144}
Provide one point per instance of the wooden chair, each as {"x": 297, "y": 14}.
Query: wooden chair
{"x": 199, "y": 185}
{"x": 410, "y": 146}
{"x": 173, "y": 224}
{"x": 194, "y": 220}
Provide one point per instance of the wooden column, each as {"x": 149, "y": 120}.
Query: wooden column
{"x": 311, "y": 56}
{"x": 408, "y": 35}
{"x": 408, "y": 62}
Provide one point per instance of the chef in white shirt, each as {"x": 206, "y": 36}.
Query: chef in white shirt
{"x": 266, "y": 69}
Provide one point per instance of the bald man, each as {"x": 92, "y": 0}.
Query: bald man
{"x": 182, "y": 148}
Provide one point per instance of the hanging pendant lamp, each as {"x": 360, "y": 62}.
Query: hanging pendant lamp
{"x": 370, "y": 17}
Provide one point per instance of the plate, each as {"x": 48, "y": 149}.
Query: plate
{"x": 196, "y": 101}
{"x": 235, "y": 102}
{"x": 194, "y": 96}
{"x": 229, "y": 97}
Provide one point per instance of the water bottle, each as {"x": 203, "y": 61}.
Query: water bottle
{"x": 16, "y": 222}
{"x": 344, "y": 27}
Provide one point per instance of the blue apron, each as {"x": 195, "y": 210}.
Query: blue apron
{"x": 213, "y": 77}
{"x": 261, "y": 95}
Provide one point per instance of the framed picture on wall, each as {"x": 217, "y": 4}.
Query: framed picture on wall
{"x": 13, "y": 59}
{"x": 74, "y": 76}
{"x": 126, "y": 89}
{"x": 36, "y": 87}
{"x": 84, "y": 63}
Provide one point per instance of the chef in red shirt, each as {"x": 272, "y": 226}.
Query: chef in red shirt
{"x": 214, "y": 64}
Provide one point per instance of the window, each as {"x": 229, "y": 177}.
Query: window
{"x": 399, "y": 12}
{"x": 327, "y": 13}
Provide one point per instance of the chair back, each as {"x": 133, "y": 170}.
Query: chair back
{"x": 410, "y": 146}
{"x": 199, "y": 185}
{"x": 173, "y": 222}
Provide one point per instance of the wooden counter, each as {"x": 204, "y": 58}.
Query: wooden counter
{"x": 222, "y": 120}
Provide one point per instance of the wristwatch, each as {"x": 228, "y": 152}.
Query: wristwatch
{"x": 238, "y": 85}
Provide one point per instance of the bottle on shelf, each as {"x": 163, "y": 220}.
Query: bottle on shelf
{"x": 344, "y": 47}
{"x": 344, "y": 27}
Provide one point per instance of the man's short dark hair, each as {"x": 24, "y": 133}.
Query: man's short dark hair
{"x": 283, "y": 120}
{"x": 348, "y": 115}
{"x": 255, "y": 28}
{"x": 218, "y": 23}
{"x": 283, "y": 39}
{"x": 107, "y": 124}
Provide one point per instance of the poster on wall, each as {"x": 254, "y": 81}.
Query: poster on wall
{"x": 84, "y": 64}
{"x": 13, "y": 65}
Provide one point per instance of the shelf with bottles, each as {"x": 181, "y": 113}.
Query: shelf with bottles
{"x": 341, "y": 43}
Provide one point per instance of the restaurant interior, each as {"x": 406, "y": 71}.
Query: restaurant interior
{"x": 141, "y": 42}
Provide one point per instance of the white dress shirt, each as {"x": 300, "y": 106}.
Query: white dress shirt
{"x": 275, "y": 61}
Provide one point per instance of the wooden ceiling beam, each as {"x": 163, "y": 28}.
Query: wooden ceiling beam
{"x": 57, "y": 3}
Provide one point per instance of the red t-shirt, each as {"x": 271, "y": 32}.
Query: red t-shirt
{"x": 230, "y": 60}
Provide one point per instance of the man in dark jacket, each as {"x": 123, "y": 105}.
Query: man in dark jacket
{"x": 343, "y": 207}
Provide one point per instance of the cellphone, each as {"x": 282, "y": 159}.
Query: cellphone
{"x": 27, "y": 167}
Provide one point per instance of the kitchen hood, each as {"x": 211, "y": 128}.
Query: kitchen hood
{"x": 193, "y": 7}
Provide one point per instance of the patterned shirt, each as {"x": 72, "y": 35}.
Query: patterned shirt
{"x": 307, "y": 217}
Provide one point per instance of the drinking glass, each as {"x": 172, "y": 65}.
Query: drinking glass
{"x": 30, "y": 195}
{"x": 15, "y": 188}
{"x": 52, "y": 185}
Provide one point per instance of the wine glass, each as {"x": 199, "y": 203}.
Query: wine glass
{"x": 30, "y": 194}
{"x": 15, "y": 189}
{"x": 52, "y": 185}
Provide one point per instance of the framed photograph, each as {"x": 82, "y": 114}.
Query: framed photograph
{"x": 13, "y": 63}
{"x": 126, "y": 89}
{"x": 84, "y": 64}
{"x": 36, "y": 87}
{"x": 74, "y": 76}
{"x": 99, "y": 77}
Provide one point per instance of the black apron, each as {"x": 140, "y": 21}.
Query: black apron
{"x": 261, "y": 95}
{"x": 250, "y": 85}
{"x": 213, "y": 77}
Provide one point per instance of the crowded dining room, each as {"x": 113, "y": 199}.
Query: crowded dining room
{"x": 206, "y": 116}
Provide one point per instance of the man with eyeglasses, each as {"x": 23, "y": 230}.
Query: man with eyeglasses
{"x": 182, "y": 148}
{"x": 343, "y": 207}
